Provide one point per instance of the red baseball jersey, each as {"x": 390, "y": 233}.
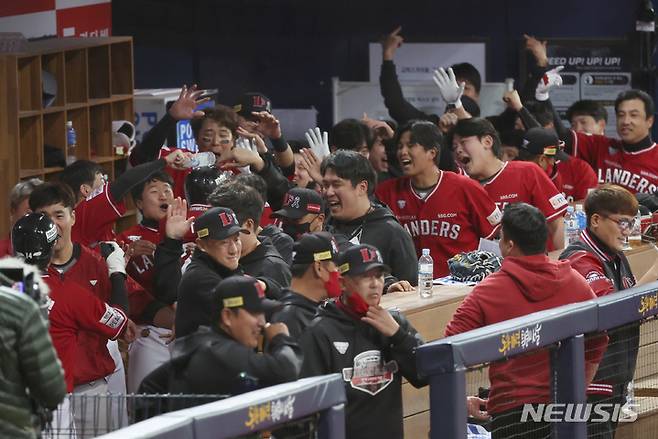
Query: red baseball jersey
{"x": 577, "y": 178}
{"x": 178, "y": 175}
{"x": 90, "y": 272}
{"x": 526, "y": 182}
{"x": 635, "y": 171}
{"x": 451, "y": 219}
{"x": 73, "y": 309}
{"x": 95, "y": 217}
{"x": 194, "y": 211}
{"x": 141, "y": 268}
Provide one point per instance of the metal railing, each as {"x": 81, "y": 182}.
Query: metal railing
{"x": 252, "y": 412}
{"x": 446, "y": 361}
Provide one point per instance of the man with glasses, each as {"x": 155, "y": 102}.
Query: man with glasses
{"x": 599, "y": 258}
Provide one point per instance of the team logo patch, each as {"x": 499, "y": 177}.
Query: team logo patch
{"x": 402, "y": 203}
{"x": 593, "y": 276}
{"x": 370, "y": 374}
{"x": 341, "y": 346}
{"x": 134, "y": 238}
{"x": 557, "y": 201}
{"x": 93, "y": 282}
{"x": 495, "y": 217}
{"x": 628, "y": 282}
{"x": 113, "y": 318}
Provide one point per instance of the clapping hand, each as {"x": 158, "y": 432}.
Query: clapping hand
{"x": 451, "y": 91}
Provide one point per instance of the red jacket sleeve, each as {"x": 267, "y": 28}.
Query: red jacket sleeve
{"x": 587, "y": 179}
{"x": 590, "y": 147}
{"x": 468, "y": 316}
{"x": 590, "y": 267}
{"x": 545, "y": 196}
{"x": 93, "y": 315}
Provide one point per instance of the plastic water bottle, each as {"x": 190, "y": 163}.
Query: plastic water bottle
{"x": 571, "y": 232}
{"x": 582, "y": 218}
{"x": 201, "y": 159}
{"x": 425, "y": 274}
{"x": 71, "y": 142}
{"x": 635, "y": 238}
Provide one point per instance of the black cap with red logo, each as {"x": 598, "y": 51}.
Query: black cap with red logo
{"x": 242, "y": 292}
{"x": 299, "y": 202}
{"x": 252, "y": 102}
{"x": 358, "y": 259}
{"x": 217, "y": 223}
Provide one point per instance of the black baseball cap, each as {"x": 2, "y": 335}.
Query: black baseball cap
{"x": 243, "y": 292}
{"x": 252, "y": 102}
{"x": 299, "y": 202}
{"x": 217, "y": 223}
{"x": 538, "y": 141}
{"x": 358, "y": 259}
{"x": 316, "y": 246}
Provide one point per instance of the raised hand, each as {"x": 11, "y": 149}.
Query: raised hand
{"x": 240, "y": 157}
{"x": 550, "y": 79}
{"x": 268, "y": 125}
{"x": 447, "y": 121}
{"x": 311, "y": 163}
{"x": 513, "y": 100}
{"x": 318, "y": 142}
{"x": 391, "y": 42}
{"x": 451, "y": 92}
{"x": 177, "y": 224}
{"x": 252, "y": 141}
{"x": 537, "y": 48}
{"x": 188, "y": 100}
{"x": 380, "y": 128}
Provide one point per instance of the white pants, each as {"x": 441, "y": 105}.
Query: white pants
{"x": 116, "y": 382}
{"x": 91, "y": 407}
{"x": 146, "y": 354}
{"x": 63, "y": 424}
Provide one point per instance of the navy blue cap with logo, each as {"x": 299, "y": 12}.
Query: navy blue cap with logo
{"x": 243, "y": 292}
{"x": 361, "y": 258}
{"x": 299, "y": 202}
{"x": 217, "y": 223}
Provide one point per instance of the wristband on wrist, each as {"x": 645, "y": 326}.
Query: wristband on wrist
{"x": 279, "y": 144}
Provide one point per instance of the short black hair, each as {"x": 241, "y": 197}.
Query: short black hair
{"x": 350, "y": 134}
{"x": 243, "y": 200}
{"x": 468, "y": 72}
{"x": 50, "y": 193}
{"x": 351, "y": 166}
{"x": 255, "y": 181}
{"x": 162, "y": 176}
{"x": 479, "y": 127}
{"x": 298, "y": 270}
{"x": 526, "y": 226}
{"x": 587, "y": 107}
{"x": 649, "y": 107}
{"x": 78, "y": 173}
{"x": 428, "y": 135}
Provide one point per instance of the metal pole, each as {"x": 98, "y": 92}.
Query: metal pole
{"x": 448, "y": 405}
{"x": 332, "y": 423}
{"x": 569, "y": 367}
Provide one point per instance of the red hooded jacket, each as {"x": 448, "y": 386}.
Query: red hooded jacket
{"x": 523, "y": 285}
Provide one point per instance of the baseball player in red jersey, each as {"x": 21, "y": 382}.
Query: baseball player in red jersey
{"x": 476, "y": 145}
{"x": 632, "y": 161}
{"x": 99, "y": 204}
{"x": 578, "y": 178}
{"x": 443, "y": 211}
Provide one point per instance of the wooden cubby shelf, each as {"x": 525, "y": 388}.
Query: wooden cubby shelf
{"x": 94, "y": 79}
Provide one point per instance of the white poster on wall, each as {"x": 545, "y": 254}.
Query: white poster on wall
{"x": 415, "y": 62}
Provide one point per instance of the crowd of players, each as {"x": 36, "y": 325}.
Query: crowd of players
{"x": 270, "y": 264}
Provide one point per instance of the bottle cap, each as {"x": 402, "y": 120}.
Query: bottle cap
{"x": 426, "y": 252}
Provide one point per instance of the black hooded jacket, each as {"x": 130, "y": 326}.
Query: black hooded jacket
{"x": 372, "y": 366}
{"x": 265, "y": 261}
{"x": 381, "y": 229}
{"x": 297, "y": 312}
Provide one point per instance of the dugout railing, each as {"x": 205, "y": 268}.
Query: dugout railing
{"x": 445, "y": 362}
{"x": 250, "y": 414}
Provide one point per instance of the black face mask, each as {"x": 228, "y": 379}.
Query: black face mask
{"x": 295, "y": 231}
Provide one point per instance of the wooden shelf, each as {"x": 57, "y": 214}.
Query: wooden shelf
{"x": 95, "y": 81}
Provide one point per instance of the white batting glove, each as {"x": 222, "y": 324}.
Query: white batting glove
{"x": 114, "y": 257}
{"x": 550, "y": 79}
{"x": 451, "y": 91}
{"x": 245, "y": 143}
{"x": 318, "y": 142}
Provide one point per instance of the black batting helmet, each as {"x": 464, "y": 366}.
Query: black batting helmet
{"x": 201, "y": 182}
{"x": 33, "y": 238}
